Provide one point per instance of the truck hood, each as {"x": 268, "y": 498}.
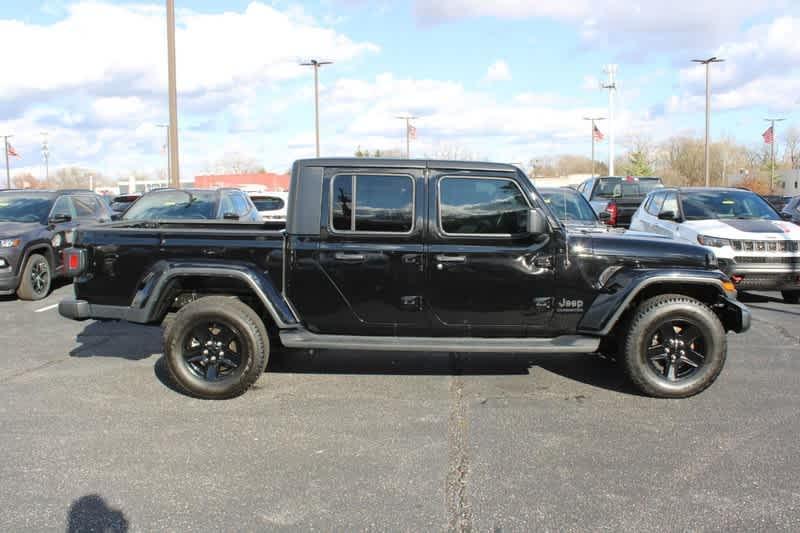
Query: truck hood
{"x": 753, "y": 229}
{"x": 652, "y": 252}
{"x": 9, "y": 230}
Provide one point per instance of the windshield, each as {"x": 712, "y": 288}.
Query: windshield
{"x": 167, "y": 205}
{"x": 568, "y": 206}
{"x": 20, "y": 207}
{"x": 624, "y": 187}
{"x": 703, "y": 205}
{"x": 268, "y": 203}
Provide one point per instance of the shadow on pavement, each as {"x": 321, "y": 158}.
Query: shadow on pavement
{"x": 749, "y": 297}
{"x": 118, "y": 339}
{"x": 91, "y": 513}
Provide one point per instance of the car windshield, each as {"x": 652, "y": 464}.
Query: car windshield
{"x": 568, "y": 205}
{"x": 624, "y": 187}
{"x": 268, "y": 203}
{"x": 709, "y": 204}
{"x": 173, "y": 204}
{"x": 21, "y": 207}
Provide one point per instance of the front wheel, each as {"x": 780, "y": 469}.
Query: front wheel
{"x": 36, "y": 278}
{"x": 675, "y": 347}
{"x": 791, "y": 297}
{"x": 216, "y": 347}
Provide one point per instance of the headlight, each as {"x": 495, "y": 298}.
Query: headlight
{"x": 9, "y": 243}
{"x": 716, "y": 242}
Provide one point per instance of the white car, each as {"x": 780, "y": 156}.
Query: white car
{"x": 271, "y": 205}
{"x": 753, "y": 243}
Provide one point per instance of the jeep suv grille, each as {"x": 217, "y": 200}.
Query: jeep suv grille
{"x": 765, "y": 246}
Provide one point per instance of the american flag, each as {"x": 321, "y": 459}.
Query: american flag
{"x": 769, "y": 136}
{"x": 12, "y": 152}
{"x": 597, "y": 134}
{"x": 412, "y": 132}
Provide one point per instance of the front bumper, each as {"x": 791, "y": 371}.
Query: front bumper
{"x": 736, "y": 316}
{"x": 765, "y": 275}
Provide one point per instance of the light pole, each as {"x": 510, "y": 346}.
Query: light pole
{"x": 611, "y": 70}
{"x": 408, "y": 119}
{"x": 595, "y": 131}
{"x": 316, "y": 64}
{"x": 772, "y": 122}
{"x": 174, "y": 167}
{"x": 46, "y": 156}
{"x": 8, "y": 167}
{"x": 169, "y": 155}
{"x": 707, "y": 62}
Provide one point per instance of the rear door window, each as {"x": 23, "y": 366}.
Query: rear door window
{"x": 372, "y": 203}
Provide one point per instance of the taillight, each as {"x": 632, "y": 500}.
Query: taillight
{"x": 613, "y": 212}
{"x": 74, "y": 261}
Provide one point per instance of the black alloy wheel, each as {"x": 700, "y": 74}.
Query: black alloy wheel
{"x": 213, "y": 350}
{"x": 40, "y": 277}
{"x": 676, "y": 350}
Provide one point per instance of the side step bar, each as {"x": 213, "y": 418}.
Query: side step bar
{"x": 565, "y": 344}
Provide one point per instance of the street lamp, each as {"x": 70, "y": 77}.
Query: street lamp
{"x": 169, "y": 155}
{"x": 316, "y": 64}
{"x": 174, "y": 167}
{"x": 594, "y": 136}
{"x": 707, "y": 62}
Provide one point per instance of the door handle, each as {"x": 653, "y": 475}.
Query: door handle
{"x": 341, "y": 256}
{"x": 451, "y": 258}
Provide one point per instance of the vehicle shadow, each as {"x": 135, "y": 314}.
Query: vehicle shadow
{"x": 750, "y": 297}
{"x": 92, "y": 513}
{"x": 118, "y": 339}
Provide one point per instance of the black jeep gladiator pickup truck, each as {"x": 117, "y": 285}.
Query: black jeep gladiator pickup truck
{"x": 408, "y": 255}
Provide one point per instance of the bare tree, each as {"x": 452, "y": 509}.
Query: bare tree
{"x": 792, "y": 153}
{"x": 235, "y": 163}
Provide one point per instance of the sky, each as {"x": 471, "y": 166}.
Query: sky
{"x": 505, "y": 80}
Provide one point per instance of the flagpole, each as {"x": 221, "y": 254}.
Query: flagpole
{"x": 772, "y": 122}
{"x": 592, "y": 120}
{"x": 8, "y": 168}
{"x": 408, "y": 119}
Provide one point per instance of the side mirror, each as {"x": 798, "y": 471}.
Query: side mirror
{"x": 60, "y": 219}
{"x": 230, "y": 216}
{"x": 537, "y": 222}
{"x": 786, "y": 216}
{"x": 116, "y": 216}
{"x": 604, "y": 216}
{"x": 668, "y": 215}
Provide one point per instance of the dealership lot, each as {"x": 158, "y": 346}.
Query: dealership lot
{"x": 93, "y": 435}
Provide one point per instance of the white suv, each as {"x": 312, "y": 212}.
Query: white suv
{"x": 753, "y": 243}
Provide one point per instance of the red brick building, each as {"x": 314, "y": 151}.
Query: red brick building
{"x": 270, "y": 181}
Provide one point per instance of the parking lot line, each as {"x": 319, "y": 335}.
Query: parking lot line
{"x": 43, "y": 309}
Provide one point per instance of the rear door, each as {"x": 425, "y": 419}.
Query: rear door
{"x": 371, "y": 253}
{"x": 486, "y": 277}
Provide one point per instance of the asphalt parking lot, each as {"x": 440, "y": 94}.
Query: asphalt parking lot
{"x": 93, "y": 436}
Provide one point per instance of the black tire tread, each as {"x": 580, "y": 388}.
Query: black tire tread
{"x": 642, "y": 313}
{"x": 248, "y": 315}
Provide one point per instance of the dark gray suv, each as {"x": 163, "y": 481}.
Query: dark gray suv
{"x": 35, "y": 226}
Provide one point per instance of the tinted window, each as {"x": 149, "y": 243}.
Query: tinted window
{"x": 622, "y": 187}
{"x": 171, "y": 204}
{"x": 16, "y": 207}
{"x": 568, "y": 206}
{"x": 240, "y": 205}
{"x": 708, "y": 204}
{"x": 383, "y": 203}
{"x": 85, "y": 206}
{"x": 63, "y": 206}
{"x": 482, "y": 206}
{"x": 269, "y": 203}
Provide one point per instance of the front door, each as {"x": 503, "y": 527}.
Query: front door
{"x": 371, "y": 253}
{"x": 486, "y": 276}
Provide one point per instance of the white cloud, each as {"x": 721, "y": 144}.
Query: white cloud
{"x": 498, "y": 71}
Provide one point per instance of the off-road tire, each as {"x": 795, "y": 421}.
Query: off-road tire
{"x": 791, "y": 297}
{"x": 231, "y": 312}
{"x": 646, "y": 320}
{"x": 26, "y": 289}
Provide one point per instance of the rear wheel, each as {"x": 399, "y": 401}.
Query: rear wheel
{"x": 36, "y": 278}
{"x": 791, "y": 297}
{"x": 216, "y": 347}
{"x": 675, "y": 347}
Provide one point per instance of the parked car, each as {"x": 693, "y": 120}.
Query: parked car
{"x": 753, "y": 242}
{"x": 271, "y": 205}
{"x": 193, "y": 204}
{"x": 35, "y": 226}
{"x": 777, "y": 201}
{"x": 573, "y": 210}
{"x": 121, "y": 203}
{"x": 791, "y": 211}
{"x": 408, "y": 255}
{"x": 620, "y": 197}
